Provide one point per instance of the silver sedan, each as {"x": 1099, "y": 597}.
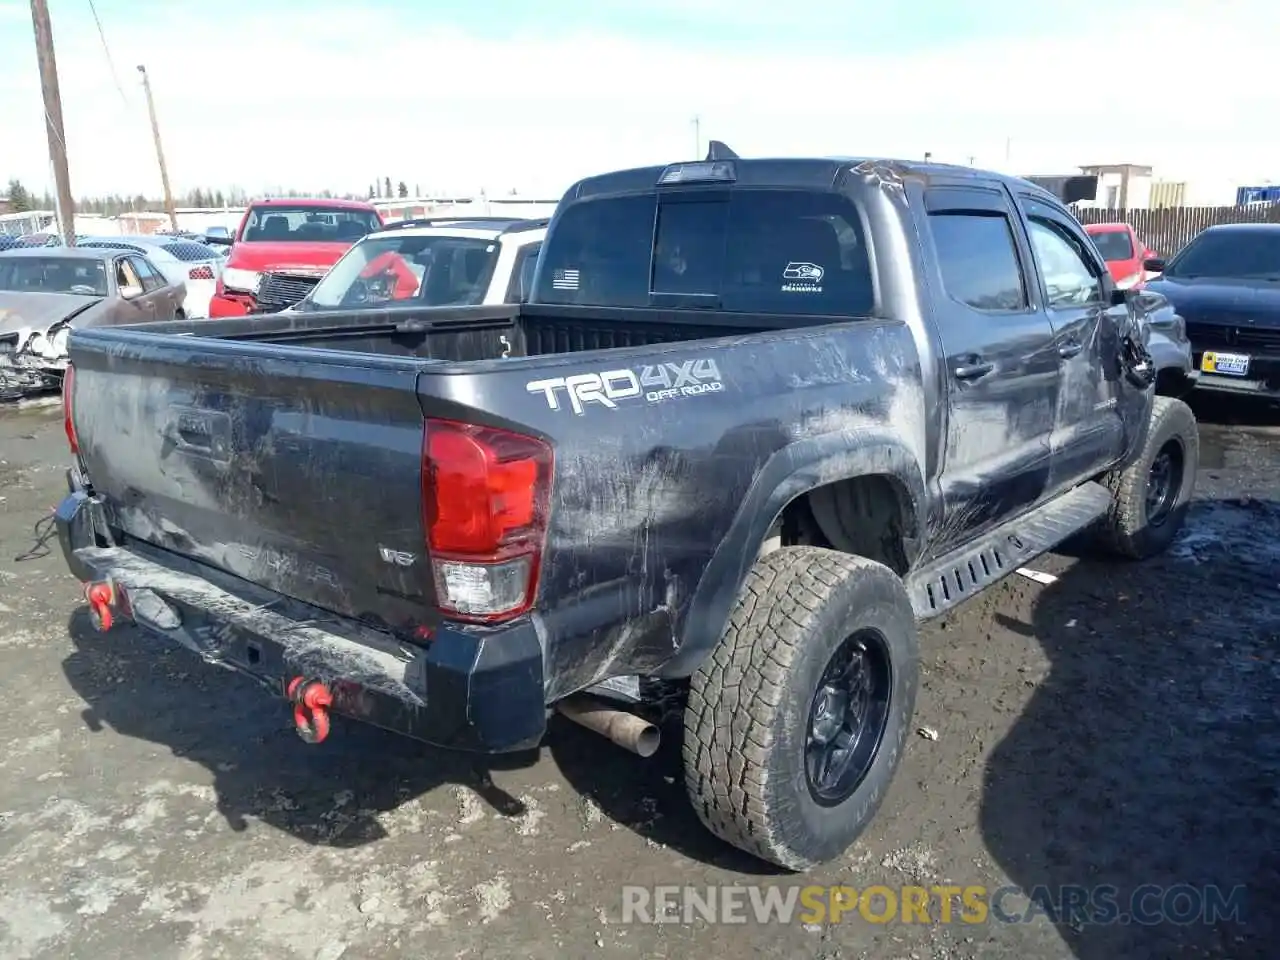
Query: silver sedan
{"x": 46, "y": 291}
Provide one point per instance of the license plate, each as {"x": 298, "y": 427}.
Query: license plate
{"x": 1232, "y": 364}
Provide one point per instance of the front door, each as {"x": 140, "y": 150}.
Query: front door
{"x": 1088, "y": 431}
{"x": 1001, "y": 369}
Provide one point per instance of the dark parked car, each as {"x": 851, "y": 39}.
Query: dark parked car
{"x": 1226, "y": 285}
{"x": 759, "y": 418}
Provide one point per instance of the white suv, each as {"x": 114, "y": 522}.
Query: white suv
{"x": 440, "y": 262}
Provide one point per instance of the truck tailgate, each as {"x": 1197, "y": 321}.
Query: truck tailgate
{"x": 298, "y": 471}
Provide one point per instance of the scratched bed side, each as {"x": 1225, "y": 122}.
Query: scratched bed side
{"x": 656, "y": 450}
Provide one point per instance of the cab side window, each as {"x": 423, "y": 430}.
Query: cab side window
{"x": 522, "y": 273}
{"x": 1069, "y": 280}
{"x": 978, "y": 260}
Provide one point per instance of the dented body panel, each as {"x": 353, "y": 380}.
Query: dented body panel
{"x": 286, "y": 452}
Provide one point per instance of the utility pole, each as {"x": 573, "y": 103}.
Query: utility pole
{"x": 53, "y": 119}
{"x": 164, "y": 172}
{"x": 697, "y": 137}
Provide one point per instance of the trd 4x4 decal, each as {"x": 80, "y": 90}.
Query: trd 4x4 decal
{"x": 653, "y": 384}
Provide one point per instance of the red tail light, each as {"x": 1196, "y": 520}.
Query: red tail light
{"x": 200, "y": 273}
{"x": 485, "y": 503}
{"x": 68, "y": 413}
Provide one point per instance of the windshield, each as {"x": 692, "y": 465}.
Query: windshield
{"x": 434, "y": 271}
{"x": 53, "y": 275}
{"x": 1230, "y": 255}
{"x": 303, "y": 224}
{"x": 1113, "y": 245}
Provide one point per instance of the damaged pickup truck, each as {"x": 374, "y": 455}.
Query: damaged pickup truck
{"x": 759, "y": 420}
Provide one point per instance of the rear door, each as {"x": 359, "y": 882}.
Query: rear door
{"x": 162, "y": 295}
{"x": 1002, "y": 370}
{"x": 1088, "y": 430}
{"x": 138, "y": 308}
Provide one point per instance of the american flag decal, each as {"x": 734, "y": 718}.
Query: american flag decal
{"x": 564, "y": 280}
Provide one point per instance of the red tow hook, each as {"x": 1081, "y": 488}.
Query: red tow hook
{"x": 101, "y": 597}
{"x": 310, "y": 698}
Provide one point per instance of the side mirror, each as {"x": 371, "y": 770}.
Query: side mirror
{"x": 129, "y": 291}
{"x": 1119, "y": 296}
{"x": 1154, "y": 264}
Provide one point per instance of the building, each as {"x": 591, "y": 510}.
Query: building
{"x": 1121, "y": 186}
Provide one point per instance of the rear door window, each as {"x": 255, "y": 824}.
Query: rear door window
{"x": 750, "y": 251}
{"x": 149, "y": 275}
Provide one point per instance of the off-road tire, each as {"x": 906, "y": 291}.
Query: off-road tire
{"x": 746, "y": 722}
{"x": 1125, "y": 531}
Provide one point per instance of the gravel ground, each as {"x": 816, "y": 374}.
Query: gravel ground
{"x": 1119, "y": 726}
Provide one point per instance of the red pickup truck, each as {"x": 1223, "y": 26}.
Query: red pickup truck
{"x": 1123, "y": 252}
{"x": 283, "y": 247}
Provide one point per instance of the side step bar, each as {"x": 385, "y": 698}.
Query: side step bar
{"x": 951, "y": 579}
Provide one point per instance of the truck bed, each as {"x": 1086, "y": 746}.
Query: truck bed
{"x": 473, "y": 333}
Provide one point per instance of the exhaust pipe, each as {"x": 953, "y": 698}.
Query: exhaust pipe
{"x": 625, "y": 729}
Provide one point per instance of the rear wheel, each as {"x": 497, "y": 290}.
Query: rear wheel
{"x": 1150, "y": 495}
{"x": 796, "y": 723}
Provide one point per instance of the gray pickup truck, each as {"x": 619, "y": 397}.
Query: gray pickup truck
{"x": 758, "y": 420}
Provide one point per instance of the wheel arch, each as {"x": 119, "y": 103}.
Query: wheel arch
{"x": 830, "y": 472}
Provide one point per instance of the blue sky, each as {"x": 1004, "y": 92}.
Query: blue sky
{"x": 459, "y": 96}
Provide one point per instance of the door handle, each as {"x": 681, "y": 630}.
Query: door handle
{"x": 1069, "y": 350}
{"x": 972, "y": 371}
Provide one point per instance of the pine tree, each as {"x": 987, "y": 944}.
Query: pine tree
{"x": 386, "y": 186}
{"x": 19, "y": 199}
{"x": 402, "y": 190}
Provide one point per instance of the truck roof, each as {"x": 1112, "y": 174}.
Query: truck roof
{"x": 814, "y": 173}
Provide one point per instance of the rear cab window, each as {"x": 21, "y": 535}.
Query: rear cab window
{"x": 740, "y": 250}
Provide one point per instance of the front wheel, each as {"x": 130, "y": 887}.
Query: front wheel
{"x": 796, "y": 722}
{"x": 1149, "y": 497}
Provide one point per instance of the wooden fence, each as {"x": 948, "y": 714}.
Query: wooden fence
{"x": 1168, "y": 230}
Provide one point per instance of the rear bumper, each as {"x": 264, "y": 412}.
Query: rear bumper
{"x": 461, "y": 691}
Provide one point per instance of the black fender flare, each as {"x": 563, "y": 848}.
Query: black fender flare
{"x": 789, "y": 473}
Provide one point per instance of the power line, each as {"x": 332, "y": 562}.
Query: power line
{"x": 111, "y": 64}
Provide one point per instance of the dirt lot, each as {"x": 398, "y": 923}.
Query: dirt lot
{"x": 1118, "y": 726}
